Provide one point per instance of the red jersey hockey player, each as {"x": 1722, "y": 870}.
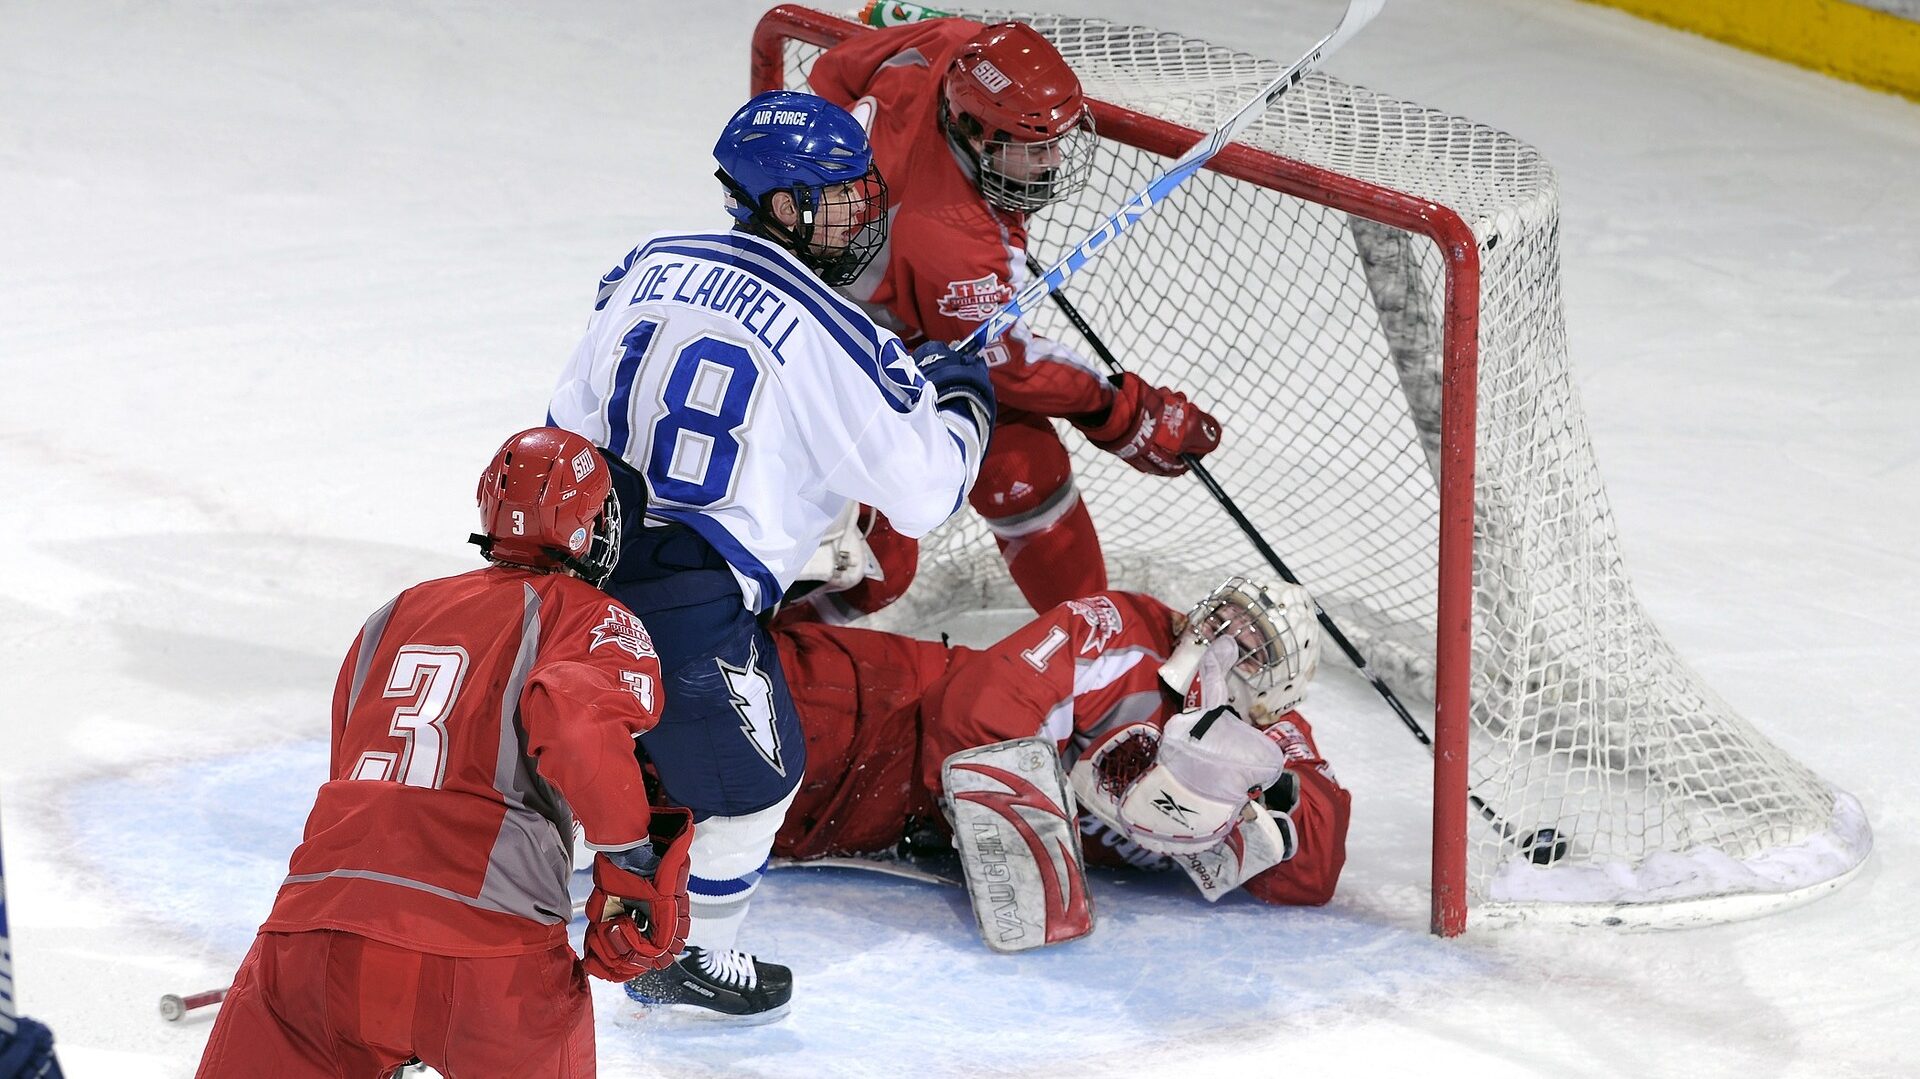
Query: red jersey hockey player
{"x": 1110, "y": 680}
{"x": 975, "y": 128}
{"x": 425, "y": 912}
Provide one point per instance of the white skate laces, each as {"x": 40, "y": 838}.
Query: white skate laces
{"x": 735, "y": 970}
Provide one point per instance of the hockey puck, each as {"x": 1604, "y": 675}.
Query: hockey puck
{"x": 172, "y": 1008}
{"x": 1544, "y": 847}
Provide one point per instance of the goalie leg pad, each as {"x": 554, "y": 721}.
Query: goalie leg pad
{"x": 1014, "y": 825}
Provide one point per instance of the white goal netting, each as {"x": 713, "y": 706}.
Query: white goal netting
{"x": 1315, "y": 335}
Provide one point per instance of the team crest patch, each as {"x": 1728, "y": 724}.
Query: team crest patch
{"x": 623, "y": 631}
{"x": 1102, "y": 619}
{"x": 975, "y": 300}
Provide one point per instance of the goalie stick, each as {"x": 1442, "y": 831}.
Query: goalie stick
{"x": 1358, "y": 14}
{"x": 881, "y": 864}
{"x": 1544, "y": 846}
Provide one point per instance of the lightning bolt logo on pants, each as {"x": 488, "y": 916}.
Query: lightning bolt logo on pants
{"x": 752, "y": 697}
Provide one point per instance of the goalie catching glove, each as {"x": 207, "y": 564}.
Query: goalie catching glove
{"x": 1209, "y": 791}
{"x": 637, "y": 915}
{"x": 1181, "y": 789}
{"x": 1149, "y": 427}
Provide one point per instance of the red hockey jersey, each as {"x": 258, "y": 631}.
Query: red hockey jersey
{"x": 882, "y": 712}
{"x": 473, "y": 719}
{"x": 951, "y": 259}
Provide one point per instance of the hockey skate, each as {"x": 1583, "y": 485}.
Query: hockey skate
{"x": 723, "y": 985}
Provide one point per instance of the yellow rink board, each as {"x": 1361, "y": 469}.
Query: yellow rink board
{"x": 1845, "y": 40}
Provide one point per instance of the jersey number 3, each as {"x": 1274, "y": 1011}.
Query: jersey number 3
{"x": 430, "y": 677}
{"x": 695, "y": 444}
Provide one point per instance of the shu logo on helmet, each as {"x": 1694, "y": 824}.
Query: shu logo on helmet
{"x": 779, "y": 116}
{"x": 582, "y": 465}
{"x": 991, "y": 77}
{"x": 623, "y": 631}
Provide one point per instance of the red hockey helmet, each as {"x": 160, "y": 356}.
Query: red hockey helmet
{"x": 547, "y": 502}
{"x": 1012, "y": 93}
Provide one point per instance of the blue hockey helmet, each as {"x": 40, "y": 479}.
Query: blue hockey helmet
{"x": 817, "y": 154}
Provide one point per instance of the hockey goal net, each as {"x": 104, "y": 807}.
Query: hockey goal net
{"x": 1367, "y": 293}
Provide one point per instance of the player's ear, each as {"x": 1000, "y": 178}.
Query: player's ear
{"x": 781, "y": 208}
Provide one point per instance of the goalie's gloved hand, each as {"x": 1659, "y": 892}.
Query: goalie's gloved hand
{"x": 960, "y": 380}
{"x": 637, "y": 916}
{"x": 1149, "y": 427}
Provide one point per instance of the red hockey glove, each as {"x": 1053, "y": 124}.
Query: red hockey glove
{"x": 638, "y": 922}
{"x": 1150, "y": 427}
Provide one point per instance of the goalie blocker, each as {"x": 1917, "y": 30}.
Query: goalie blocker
{"x": 1013, "y": 820}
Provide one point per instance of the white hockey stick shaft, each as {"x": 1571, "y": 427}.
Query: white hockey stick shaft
{"x": 1359, "y": 13}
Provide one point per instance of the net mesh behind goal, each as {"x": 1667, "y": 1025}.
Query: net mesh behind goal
{"x": 1316, "y": 335}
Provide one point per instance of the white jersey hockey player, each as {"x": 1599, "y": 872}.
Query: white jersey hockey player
{"x": 745, "y": 405}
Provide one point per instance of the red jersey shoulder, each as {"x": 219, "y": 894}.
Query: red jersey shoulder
{"x": 621, "y": 628}
{"x": 888, "y": 59}
{"x": 1100, "y": 621}
{"x": 609, "y": 624}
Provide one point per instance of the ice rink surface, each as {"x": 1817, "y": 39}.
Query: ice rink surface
{"x": 275, "y": 279}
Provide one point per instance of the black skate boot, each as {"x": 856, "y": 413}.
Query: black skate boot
{"x": 728, "y": 985}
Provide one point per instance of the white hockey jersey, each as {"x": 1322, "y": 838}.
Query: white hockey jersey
{"x": 758, "y": 403}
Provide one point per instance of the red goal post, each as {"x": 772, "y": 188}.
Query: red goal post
{"x": 794, "y": 23}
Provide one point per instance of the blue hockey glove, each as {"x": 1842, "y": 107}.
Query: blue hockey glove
{"x": 960, "y": 381}
{"x": 29, "y": 1052}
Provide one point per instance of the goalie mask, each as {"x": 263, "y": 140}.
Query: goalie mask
{"x": 1246, "y": 644}
{"x": 547, "y": 502}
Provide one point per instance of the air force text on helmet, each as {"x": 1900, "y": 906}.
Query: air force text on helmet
{"x": 782, "y": 117}
{"x": 739, "y": 295}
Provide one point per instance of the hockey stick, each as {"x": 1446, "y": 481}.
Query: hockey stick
{"x": 878, "y": 864}
{"x": 1358, "y": 14}
{"x": 174, "y": 1007}
{"x": 1544, "y": 846}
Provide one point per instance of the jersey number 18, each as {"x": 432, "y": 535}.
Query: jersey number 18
{"x": 695, "y": 445}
